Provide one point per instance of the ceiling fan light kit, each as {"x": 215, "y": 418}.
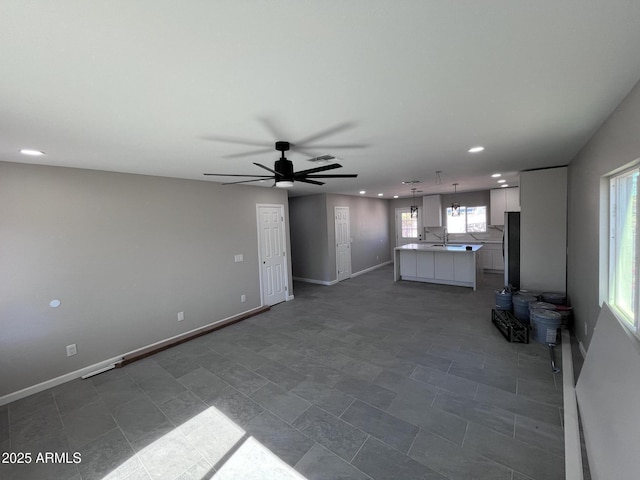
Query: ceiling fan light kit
{"x": 455, "y": 206}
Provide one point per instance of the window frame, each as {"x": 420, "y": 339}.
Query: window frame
{"x": 617, "y": 210}
{"x": 463, "y": 208}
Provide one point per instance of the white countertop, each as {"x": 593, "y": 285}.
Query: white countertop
{"x": 430, "y": 247}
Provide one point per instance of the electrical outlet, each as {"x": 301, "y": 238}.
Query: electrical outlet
{"x": 238, "y": 258}
{"x": 71, "y": 350}
{"x": 243, "y": 298}
{"x": 180, "y": 316}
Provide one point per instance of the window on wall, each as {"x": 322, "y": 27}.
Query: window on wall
{"x": 623, "y": 246}
{"x": 468, "y": 220}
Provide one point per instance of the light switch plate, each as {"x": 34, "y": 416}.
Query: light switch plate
{"x": 238, "y": 258}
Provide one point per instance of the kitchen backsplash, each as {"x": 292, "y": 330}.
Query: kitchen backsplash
{"x": 434, "y": 235}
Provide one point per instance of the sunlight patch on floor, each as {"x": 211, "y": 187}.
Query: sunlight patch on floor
{"x": 193, "y": 449}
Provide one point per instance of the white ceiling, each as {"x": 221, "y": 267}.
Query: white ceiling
{"x": 143, "y": 86}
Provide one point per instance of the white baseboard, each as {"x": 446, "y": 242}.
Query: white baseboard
{"x": 54, "y": 382}
{"x": 375, "y": 267}
{"x": 105, "y": 364}
{"x": 583, "y": 352}
{"x": 317, "y": 282}
{"x": 333, "y": 282}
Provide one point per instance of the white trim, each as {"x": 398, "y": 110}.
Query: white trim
{"x": 583, "y": 352}
{"x": 105, "y": 364}
{"x": 54, "y": 382}
{"x": 572, "y": 449}
{"x": 318, "y": 282}
{"x": 370, "y": 269}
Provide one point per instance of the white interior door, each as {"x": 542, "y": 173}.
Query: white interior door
{"x": 408, "y": 228}
{"x": 273, "y": 259}
{"x": 343, "y": 243}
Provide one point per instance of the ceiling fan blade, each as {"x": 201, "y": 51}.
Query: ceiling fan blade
{"x": 317, "y": 169}
{"x": 248, "y": 181}
{"x": 269, "y": 124}
{"x": 325, "y": 133}
{"x": 345, "y": 175}
{"x": 304, "y": 180}
{"x": 267, "y": 168}
{"x": 234, "y": 175}
{"x": 247, "y": 154}
{"x": 324, "y": 146}
{"x": 236, "y": 140}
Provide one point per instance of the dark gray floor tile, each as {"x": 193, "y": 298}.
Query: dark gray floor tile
{"x": 483, "y": 413}
{"x": 74, "y": 394}
{"x": 328, "y": 430}
{"x": 204, "y": 384}
{"x": 328, "y": 398}
{"x": 119, "y": 391}
{"x": 543, "y": 392}
{"x": 247, "y": 358}
{"x": 30, "y": 431}
{"x": 87, "y": 423}
{"x": 243, "y": 379}
{"x": 382, "y": 462}
{"x": 281, "y": 375}
{"x": 237, "y": 406}
{"x": 447, "y": 425}
{"x": 451, "y": 383}
{"x": 177, "y": 364}
{"x": 540, "y": 434}
{"x": 321, "y": 464}
{"x": 421, "y": 356}
{"x": 140, "y": 419}
{"x": 4, "y": 423}
{"x": 316, "y": 371}
{"x": 368, "y": 392}
{"x": 506, "y": 450}
{"x": 182, "y": 407}
{"x": 520, "y": 405}
{"x": 453, "y": 462}
{"x": 406, "y": 388}
{"x": 391, "y": 430}
{"x": 279, "y": 437}
{"x": 285, "y": 405}
{"x": 106, "y": 454}
{"x": 485, "y": 376}
{"x": 213, "y": 362}
{"x": 29, "y": 405}
{"x": 160, "y": 387}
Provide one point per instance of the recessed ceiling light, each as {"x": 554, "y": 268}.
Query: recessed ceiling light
{"x": 362, "y": 192}
{"x": 476, "y": 149}
{"x": 395, "y": 196}
{"x": 380, "y": 194}
{"x": 501, "y": 181}
{"x": 496, "y": 175}
{"x": 504, "y": 185}
{"x": 33, "y": 153}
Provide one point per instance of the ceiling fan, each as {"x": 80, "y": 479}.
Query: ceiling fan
{"x": 283, "y": 173}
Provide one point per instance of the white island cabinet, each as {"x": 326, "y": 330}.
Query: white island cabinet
{"x": 450, "y": 265}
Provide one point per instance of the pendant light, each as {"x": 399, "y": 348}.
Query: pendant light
{"x": 414, "y": 206}
{"x": 455, "y": 206}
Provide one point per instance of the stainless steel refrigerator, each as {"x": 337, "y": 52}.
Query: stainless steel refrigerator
{"x": 511, "y": 249}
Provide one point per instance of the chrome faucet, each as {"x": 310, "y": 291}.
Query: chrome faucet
{"x": 445, "y": 236}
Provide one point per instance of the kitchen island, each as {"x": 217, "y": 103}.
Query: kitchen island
{"x": 445, "y": 264}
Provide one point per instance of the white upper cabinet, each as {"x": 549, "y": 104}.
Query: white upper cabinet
{"x": 504, "y": 200}
{"x": 432, "y": 211}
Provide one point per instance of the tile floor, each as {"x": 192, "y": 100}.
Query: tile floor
{"x": 366, "y": 379}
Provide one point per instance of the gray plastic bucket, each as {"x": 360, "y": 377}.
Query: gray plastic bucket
{"x": 541, "y": 306}
{"x": 556, "y": 298}
{"x": 545, "y": 325}
{"x": 521, "y": 306}
{"x": 503, "y": 301}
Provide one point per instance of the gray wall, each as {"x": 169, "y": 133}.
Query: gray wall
{"x": 313, "y": 234}
{"x": 614, "y": 145}
{"x": 309, "y": 247}
{"x": 124, "y": 253}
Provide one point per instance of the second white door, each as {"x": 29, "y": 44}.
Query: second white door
{"x": 343, "y": 243}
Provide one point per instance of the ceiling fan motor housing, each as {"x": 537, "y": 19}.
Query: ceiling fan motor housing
{"x": 284, "y": 167}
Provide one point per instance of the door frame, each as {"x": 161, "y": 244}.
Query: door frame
{"x": 287, "y": 295}
{"x": 335, "y": 231}
{"x": 398, "y": 231}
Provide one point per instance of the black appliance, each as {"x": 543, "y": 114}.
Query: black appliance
{"x": 511, "y": 249}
